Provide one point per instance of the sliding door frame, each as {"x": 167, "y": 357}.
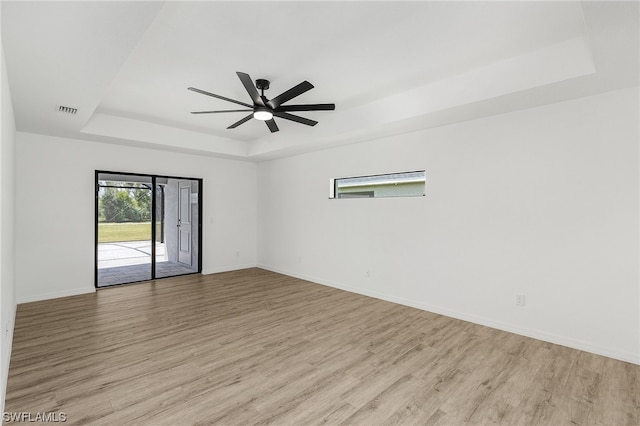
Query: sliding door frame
{"x": 153, "y": 222}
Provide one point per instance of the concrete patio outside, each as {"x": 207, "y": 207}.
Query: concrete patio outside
{"x": 125, "y": 262}
{"x": 128, "y": 253}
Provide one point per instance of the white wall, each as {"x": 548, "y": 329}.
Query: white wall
{"x": 7, "y": 233}
{"x": 55, "y": 209}
{"x": 542, "y": 202}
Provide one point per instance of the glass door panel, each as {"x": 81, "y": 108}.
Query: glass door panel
{"x": 177, "y": 226}
{"x": 124, "y": 220}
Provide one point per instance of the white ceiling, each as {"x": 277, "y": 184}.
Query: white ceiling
{"x": 390, "y": 67}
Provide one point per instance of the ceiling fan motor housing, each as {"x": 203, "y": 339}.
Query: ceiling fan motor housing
{"x": 262, "y": 84}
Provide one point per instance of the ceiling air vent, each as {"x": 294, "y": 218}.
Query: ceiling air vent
{"x": 67, "y": 110}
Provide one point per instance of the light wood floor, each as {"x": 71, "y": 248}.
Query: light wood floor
{"x": 255, "y": 347}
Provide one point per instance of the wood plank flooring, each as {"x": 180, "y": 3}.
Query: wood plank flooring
{"x": 255, "y": 347}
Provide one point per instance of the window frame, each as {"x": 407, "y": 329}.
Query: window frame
{"x": 334, "y": 185}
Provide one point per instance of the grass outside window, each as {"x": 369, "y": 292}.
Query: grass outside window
{"x": 120, "y": 232}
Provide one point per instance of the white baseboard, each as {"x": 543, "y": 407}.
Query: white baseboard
{"x": 228, "y": 268}
{"x": 84, "y": 290}
{"x": 55, "y": 295}
{"x": 535, "y": 334}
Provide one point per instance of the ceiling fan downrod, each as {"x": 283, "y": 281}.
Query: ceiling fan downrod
{"x": 262, "y": 85}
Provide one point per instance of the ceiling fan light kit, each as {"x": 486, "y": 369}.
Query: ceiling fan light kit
{"x": 262, "y": 114}
{"x": 264, "y": 109}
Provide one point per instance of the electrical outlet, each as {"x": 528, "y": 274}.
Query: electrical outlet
{"x": 237, "y": 254}
{"x": 299, "y": 259}
{"x": 519, "y": 299}
{"x": 367, "y": 274}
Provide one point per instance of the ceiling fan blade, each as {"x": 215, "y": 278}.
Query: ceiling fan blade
{"x": 251, "y": 89}
{"x": 295, "y": 118}
{"x": 271, "y": 124}
{"x": 290, "y": 94}
{"x": 193, "y": 89}
{"x": 216, "y": 112}
{"x": 309, "y": 107}
{"x": 239, "y": 122}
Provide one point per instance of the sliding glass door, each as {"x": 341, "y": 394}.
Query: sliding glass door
{"x": 147, "y": 227}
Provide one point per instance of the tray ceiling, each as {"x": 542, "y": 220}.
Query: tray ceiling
{"x": 390, "y": 67}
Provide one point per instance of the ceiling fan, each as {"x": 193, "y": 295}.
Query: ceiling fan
{"x": 264, "y": 109}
